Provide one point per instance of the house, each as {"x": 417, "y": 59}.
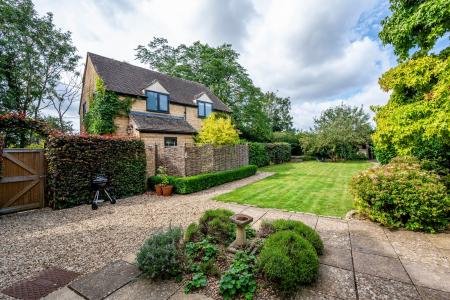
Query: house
{"x": 165, "y": 110}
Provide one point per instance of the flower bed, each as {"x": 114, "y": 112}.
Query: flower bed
{"x": 277, "y": 260}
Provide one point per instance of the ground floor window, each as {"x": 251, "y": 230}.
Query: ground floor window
{"x": 170, "y": 141}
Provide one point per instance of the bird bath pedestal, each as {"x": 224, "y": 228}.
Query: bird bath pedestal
{"x": 241, "y": 241}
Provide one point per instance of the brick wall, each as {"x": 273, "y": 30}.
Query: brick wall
{"x": 189, "y": 159}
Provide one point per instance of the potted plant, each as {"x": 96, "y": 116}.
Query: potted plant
{"x": 164, "y": 188}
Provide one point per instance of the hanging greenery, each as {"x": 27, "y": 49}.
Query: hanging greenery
{"x": 104, "y": 107}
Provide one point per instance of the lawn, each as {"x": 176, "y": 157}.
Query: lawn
{"x": 315, "y": 187}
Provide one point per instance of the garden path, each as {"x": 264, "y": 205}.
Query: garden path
{"x": 362, "y": 260}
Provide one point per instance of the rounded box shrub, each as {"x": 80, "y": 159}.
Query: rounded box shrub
{"x": 288, "y": 260}
{"x": 193, "y": 233}
{"x": 303, "y": 230}
{"x": 402, "y": 194}
{"x": 217, "y": 225}
{"x": 161, "y": 256}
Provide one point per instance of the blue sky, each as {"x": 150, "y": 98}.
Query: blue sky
{"x": 320, "y": 53}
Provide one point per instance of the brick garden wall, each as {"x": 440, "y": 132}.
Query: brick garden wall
{"x": 189, "y": 159}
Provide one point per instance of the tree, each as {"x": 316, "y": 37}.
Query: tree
{"x": 278, "y": 110}
{"x": 291, "y": 137}
{"x": 415, "y": 24}
{"x": 218, "y": 130}
{"x": 33, "y": 54}
{"x": 62, "y": 99}
{"x": 58, "y": 124}
{"x": 217, "y": 68}
{"x": 338, "y": 133}
{"x": 416, "y": 119}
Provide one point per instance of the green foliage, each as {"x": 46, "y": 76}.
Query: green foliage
{"x": 59, "y": 125}
{"x": 416, "y": 120}
{"x": 257, "y": 155}
{"x": 202, "y": 251}
{"x": 18, "y": 130}
{"x": 338, "y": 133}
{"x": 73, "y": 161}
{"x": 216, "y": 224}
{"x": 278, "y": 152}
{"x": 402, "y": 194}
{"x": 239, "y": 280}
{"x": 290, "y": 137}
{"x": 162, "y": 174}
{"x": 253, "y": 112}
{"x": 308, "y": 157}
{"x": 288, "y": 261}
{"x": 193, "y": 233}
{"x": 218, "y": 131}
{"x": 198, "y": 281}
{"x": 192, "y": 184}
{"x": 161, "y": 256}
{"x": 303, "y": 230}
{"x": 33, "y": 55}
{"x": 415, "y": 24}
{"x": 104, "y": 107}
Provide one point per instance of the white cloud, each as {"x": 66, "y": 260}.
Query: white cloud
{"x": 318, "y": 52}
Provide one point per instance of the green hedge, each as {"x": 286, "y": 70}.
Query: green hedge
{"x": 73, "y": 160}
{"x": 263, "y": 154}
{"x": 257, "y": 154}
{"x": 192, "y": 184}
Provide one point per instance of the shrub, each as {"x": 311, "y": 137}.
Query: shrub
{"x": 278, "y": 152}
{"x": 217, "y": 225}
{"x": 193, "y": 233}
{"x": 239, "y": 279}
{"x": 73, "y": 161}
{"x": 290, "y": 137}
{"x": 191, "y": 184}
{"x": 161, "y": 256}
{"x": 402, "y": 194}
{"x": 218, "y": 130}
{"x": 158, "y": 179}
{"x": 257, "y": 154}
{"x": 288, "y": 260}
{"x": 308, "y": 157}
{"x": 303, "y": 230}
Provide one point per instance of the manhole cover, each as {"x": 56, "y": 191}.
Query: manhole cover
{"x": 40, "y": 285}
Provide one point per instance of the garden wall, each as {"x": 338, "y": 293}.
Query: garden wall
{"x": 189, "y": 159}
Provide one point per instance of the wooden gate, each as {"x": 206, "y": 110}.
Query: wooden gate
{"x": 23, "y": 180}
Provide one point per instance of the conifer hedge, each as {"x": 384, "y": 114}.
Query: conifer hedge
{"x": 73, "y": 160}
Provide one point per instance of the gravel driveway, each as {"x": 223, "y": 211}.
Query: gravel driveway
{"x": 82, "y": 240}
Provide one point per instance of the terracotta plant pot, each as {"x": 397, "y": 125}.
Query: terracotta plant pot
{"x": 167, "y": 190}
{"x": 158, "y": 189}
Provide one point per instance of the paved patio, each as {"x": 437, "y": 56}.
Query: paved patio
{"x": 362, "y": 260}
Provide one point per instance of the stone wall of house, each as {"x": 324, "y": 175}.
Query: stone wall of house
{"x": 189, "y": 159}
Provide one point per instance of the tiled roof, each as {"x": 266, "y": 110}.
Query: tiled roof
{"x": 148, "y": 122}
{"x": 122, "y": 77}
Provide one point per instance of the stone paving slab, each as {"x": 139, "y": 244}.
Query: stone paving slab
{"x": 372, "y": 245}
{"x": 255, "y": 212}
{"x": 183, "y": 296}
{"x": 145, "y": 289}
{"x": 275, "y": 214}
{"x": 305, "y": 294}
{"x": 337, "y": 257}
{"x": 430, "y": 294}
{"x": 100, "y": 284}
{"x": 308, "y": 219}
{"x": 428, "y": 275}
{"x": 334, "y": 282}
{"x": 63, "y": 294}
{"x": 382, "y": 266}
{"x": 441, "y": 241}
{"x": 373, "y": 287}
{"x": 335, "y": 239}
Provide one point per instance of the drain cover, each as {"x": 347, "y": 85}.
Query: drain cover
{"x": 40, "y": 285}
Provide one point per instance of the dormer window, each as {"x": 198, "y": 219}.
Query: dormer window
{"x": 157, "y": 102}
{"x": 204, "y": 109}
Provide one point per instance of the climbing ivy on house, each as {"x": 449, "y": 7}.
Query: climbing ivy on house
{"x": 104, "y": 107}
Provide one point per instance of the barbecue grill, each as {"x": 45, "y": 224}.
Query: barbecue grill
{"x": 100, "y": 186}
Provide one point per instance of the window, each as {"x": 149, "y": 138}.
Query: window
{"x": 170, "y": 141}
{"x": 157, "y": 102}
{"x": 84, "y": 109}
{"x": 204, "y": 109}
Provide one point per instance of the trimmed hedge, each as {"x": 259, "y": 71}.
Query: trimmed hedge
{"x": 73, "y": 161}
{"x": 278, "y": 152}
{"x": 261, "y": 154}
{"x": 192, "y": 184}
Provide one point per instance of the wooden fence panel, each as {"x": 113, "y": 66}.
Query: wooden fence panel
{"x": 23, "y": 180}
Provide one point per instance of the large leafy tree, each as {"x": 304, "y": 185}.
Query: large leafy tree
{"x": 416, "y": 119}
{"x": 338, "y": 133}
{"x": 217, "y": 68}
{"x": 415, "y": 24}
{"x": 278, "y": 109}
{"x": 33, "y": 55}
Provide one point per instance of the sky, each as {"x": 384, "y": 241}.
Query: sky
{"x": 320, "y": 53}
